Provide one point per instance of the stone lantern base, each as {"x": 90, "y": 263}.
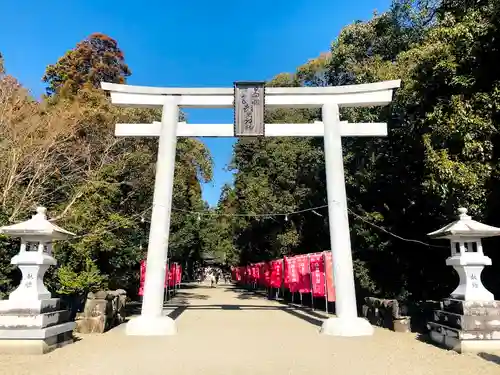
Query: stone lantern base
{"x": 34, "y": 327}
{"x": 467, "y": 326}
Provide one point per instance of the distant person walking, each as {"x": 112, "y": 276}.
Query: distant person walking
{"x": 211, "y": 277}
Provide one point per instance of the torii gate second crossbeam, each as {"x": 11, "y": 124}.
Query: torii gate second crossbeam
{"x": 329, "y": 99}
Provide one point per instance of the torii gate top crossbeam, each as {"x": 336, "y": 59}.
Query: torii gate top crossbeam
{"x": 331, "y": 90}
{"x": 371, "y": 94}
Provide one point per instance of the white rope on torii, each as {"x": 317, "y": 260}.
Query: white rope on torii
{"x": 329, "y": 99}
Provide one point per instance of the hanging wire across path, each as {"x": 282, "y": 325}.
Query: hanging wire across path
{"x": 139, "y": 217}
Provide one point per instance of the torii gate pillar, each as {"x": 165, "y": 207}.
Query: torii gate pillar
{"x": 346, "y": 322}
{"x": 152, "y": 322}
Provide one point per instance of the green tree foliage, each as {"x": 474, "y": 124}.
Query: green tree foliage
{"x": 440, "y": 153}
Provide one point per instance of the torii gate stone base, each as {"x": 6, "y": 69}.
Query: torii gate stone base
{"x": 249, "y": 100}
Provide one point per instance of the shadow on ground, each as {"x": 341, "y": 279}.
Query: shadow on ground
{"x": 244, "y": 294}
{"x": 306, "y": 301}
{"x": 76, "y": 338}
{"x": 187, "y": 295}
{"x": 192, "y": 285}
{"x": 180, "y": 297}
{"x": 180, "y": 304}
{"x": 133, "y": 308}
{"x": 306, "y": 316}
{"x": 425, "y": 338}
{"x": 174, "y": 314}
{"x": 490, "y": 357}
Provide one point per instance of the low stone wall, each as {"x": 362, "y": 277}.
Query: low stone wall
{"x": 421, "y": 314}
{"x": 398, "y": 316}
{"x": 103, "y": 311}
{"x": 386, "y": 313}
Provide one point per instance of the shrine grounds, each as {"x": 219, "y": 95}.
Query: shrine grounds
{"x": 224, "y": 330}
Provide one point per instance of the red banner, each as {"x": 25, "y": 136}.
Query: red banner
{"x": 276, "y": 273}
{"x": 239, "y": 273}
{"x": 330, "y": 286}
{"x": 171, "y": 275}
{"x": 169, "y": 279}
{"x": 178, "y": 274}
{"x": 264, "y": 274}
{"x": 304, "y": 283}
{"x": 317, "y": 267}
{"x": 256, "y": 272}
{"x": 142, "y": 278}
{"x": 267, "y": 274}
{"x": 312, "y": 273}
{"x": 291, "y": 274}
{"x": 248, "y": 274}
{"x": 252, "y": 273}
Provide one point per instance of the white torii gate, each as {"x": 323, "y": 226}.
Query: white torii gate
{"x": 346, "y": 323}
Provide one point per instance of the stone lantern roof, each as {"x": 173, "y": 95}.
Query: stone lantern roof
{"x": 38, "y": 225}
{"x": 465, "y": 227}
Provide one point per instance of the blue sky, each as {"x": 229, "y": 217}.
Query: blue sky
{"x": 181, "y": 43}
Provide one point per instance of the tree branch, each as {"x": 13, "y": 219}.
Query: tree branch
{"x": 66, "y": 209}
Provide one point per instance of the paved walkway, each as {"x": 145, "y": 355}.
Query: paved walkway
{"x": 225, "y": 331}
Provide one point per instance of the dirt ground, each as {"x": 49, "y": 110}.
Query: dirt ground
{"x": 225, "y": 331}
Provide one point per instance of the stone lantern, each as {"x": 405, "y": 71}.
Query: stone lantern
{"x": 467, "y": 257}
{"x": 31, "y": 320}
{"x": 469, "y": 320}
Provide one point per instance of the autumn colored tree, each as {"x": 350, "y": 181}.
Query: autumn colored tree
{"x": 95, "y": 59}
{"x": 62, "y": 153}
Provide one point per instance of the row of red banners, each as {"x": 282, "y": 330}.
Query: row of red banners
{"x": 308, "y": 273}
{"x": 172, "y": 278}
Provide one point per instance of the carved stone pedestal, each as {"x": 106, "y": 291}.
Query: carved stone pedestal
{"x": 467, "y": 326}
{"x": 34, "y": 327}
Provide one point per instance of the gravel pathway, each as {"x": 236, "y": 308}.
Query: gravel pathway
{"x": 223, "y": 331}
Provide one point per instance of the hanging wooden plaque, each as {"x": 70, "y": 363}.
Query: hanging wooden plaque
{"x": 249, "y": 104}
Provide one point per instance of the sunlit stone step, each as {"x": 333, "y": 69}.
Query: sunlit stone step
{"x": 26, "y": 321}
